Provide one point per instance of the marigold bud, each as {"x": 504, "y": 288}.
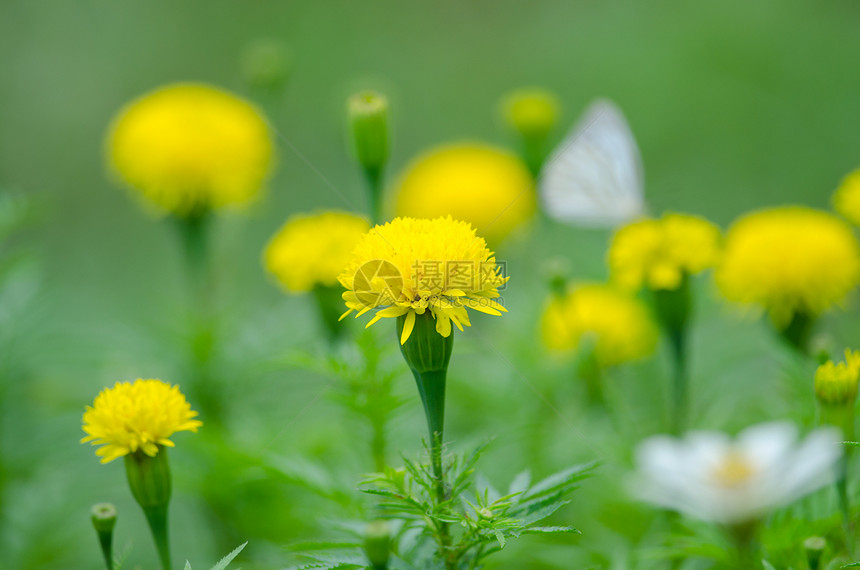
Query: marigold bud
{"x": 377, "y": 542}
{"x": 368, "y": 126}
{"x": 104, "y": 520}
{"x": 531, "y": 112}
{"x": 836, "y": 383}
{"x": 266, "y": 64}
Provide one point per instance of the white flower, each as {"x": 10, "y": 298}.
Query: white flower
{"x": 709, "y": 476}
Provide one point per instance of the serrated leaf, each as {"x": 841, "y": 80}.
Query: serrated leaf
{"x": 500, "y": 538}
{"x": 560, "y": 480}
{"x": 521, "y": 482}
{"x": 550, "y": 530}
{"x": 485, "y": 488}
{"x": 224, "y": 562}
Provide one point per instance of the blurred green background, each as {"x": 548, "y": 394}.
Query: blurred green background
{"x": 735, "y": 105}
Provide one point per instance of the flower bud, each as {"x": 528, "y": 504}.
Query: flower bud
{"x": 368, "y": 127}
{"x": 266, "y": 64}
{"x": 377, "y": 543}
{"x": 531, "y": 112}
{"x": 836, "y": 384}
{"x": 556, "y": 272}
{"x": 814, "y": 547}
{"x": 104, "y": 517}
{"x": 104, "y": 520}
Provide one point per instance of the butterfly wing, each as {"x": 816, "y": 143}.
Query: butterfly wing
{"x": 594, "y": 177}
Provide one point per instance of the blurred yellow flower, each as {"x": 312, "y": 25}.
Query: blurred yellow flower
{"x": 533, "y": 112}
{"x": 137, "y": 416}
{"x": 789, "y": 260}
{"x": 488, "y": 187}
{"x": 846, "y": 200}
{"x": 312, "y": 250}
{"x": 657, "y": 253}
{"x": 836, "y": 383}
{"x": 190, "y": 147}
{"x": 618, "y": 325}
{"x": 409, "y": 266}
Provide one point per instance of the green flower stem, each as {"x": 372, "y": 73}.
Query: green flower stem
{"x": 374, "y": 181}
{"x": 590, "y": 371}
{"x": 330, "y": 305}
{"x": 673, "y": 309}
{"x": 680, "y": 381}
{"x": 798, "y": 332}
{"x": 106, "y": 545}
{"x": 744, "y": 537}
{"x": 378, "y": 443}
{"x": 431, "y": 387}
{"x": 149, "y": 480}
{"x": 157, "y": 519}
{"x": 534, "y": 154}
{"x": 427, "y": 353}
{"x": 842, "y": 417}
{"x": 194, "y": 231}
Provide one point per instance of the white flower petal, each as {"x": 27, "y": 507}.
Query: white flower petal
{"x": 767, "y": 445}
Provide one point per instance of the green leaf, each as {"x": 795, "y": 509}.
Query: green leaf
{"x": 500, "y": 538}
{"x": 550, "y": 530}
{"x": 224, "y": 562}
{"x": 521, "y": 482}
{"x": 560, "y": 480}
{"x": 187, "y": 565}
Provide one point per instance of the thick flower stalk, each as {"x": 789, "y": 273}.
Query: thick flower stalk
{"x": 309, "y": 252}
{"x": 660, "y": 255}
{"x": 488, "y": 187}
{"x": 611, "y": 326}
{"x": 426, "y": 274}
{"x": 794, "y": 263}
{"x": 135, "y": 421}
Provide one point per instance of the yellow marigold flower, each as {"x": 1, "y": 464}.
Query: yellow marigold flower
{"x": 191, "y": 147}
{"x": 657, "y": 253}
{"x": 137, "y": 416}
{"x": 486, "y": 186}
{"x": 789, "y": 260}
{"x": 836, "y": 383}
{"x": 313, "y": 249}
{"x": 846, "y": 200}
{"x": 618, "y": 324}
{"x": 409, "y": 266}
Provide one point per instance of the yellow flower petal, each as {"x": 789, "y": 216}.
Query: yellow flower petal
{"x": 408, "y": 325}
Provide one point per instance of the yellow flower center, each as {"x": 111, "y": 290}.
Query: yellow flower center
{"x": 734, "y": 470}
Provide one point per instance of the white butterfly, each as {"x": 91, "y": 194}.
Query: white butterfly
{"x": 594, "y": 177}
